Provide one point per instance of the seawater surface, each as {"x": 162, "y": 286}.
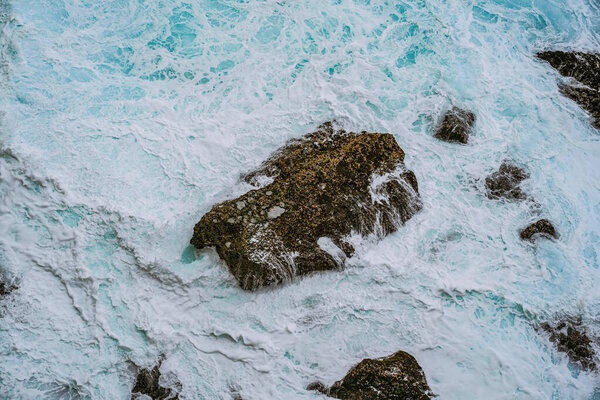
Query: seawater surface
{"x": 123, "y": 121}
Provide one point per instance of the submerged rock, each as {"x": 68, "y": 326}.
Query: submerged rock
{"x": 583, "y": 67}
{"x": 324, "y": 186}
{"x": 541, "y": 227}
{"x": 570, "y": 338}
{"x": 147, "y": 383}
{"x": 456, "y": 126}
{"x": 397, "y": 377}
{"x": 505, "y": 183}
{"x": 236, "y": 396}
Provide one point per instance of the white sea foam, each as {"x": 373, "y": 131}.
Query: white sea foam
{"x": 125, "y": 120}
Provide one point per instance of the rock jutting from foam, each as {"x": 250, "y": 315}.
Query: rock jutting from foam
{"x": 398, "y": 376}
{"x": 6, "y": 289}
{"x": 583, "y": 67}
{"x": 570, "y": 337}
{"x": 542, "y": 227}
{"x": 456, "y": 126}
{"x": 325, "y": 186}
{"x": 505, "y": 182}
{"x": 148, "y": 384}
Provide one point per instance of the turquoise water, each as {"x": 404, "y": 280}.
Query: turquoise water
{"x": 124, "y": 121}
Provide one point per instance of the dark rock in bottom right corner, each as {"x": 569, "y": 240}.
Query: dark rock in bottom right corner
{"x": 542, "y": 227}
{"x": 396, "y": 377}
{"x": 571, "y": 338}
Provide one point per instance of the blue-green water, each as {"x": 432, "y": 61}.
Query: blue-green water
{"x": 124, "y": 121}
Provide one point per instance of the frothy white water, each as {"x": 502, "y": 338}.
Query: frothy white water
{"x": 125, "y": 120}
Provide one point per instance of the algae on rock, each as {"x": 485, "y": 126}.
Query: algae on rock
{"x": 324, "y": 187}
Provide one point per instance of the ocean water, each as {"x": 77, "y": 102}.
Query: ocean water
{"x": 123, "y": 121}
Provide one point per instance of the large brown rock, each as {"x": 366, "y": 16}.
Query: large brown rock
{"x": 326, "y": 184}
{"x": 583, "y": 67}
{"x": 397, "y": 377}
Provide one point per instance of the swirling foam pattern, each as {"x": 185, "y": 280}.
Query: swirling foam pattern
{"x": 123, "y": 121}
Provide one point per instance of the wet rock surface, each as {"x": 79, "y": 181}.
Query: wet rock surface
{"x": 542, "y": 227}
{"x": 588, "y": 99}
{"x": 326, "y": 184}
{"x": 456, "y": 126}
{"x": 505, "y": 183}
{"x": 147, "y": 383}
{"x": 571, "y": 338}
{"x": 6, "y": 289}
{"x": 318, "y": 387}
{"x": 583, "y": 67}
{"x": 397, "y": 377}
